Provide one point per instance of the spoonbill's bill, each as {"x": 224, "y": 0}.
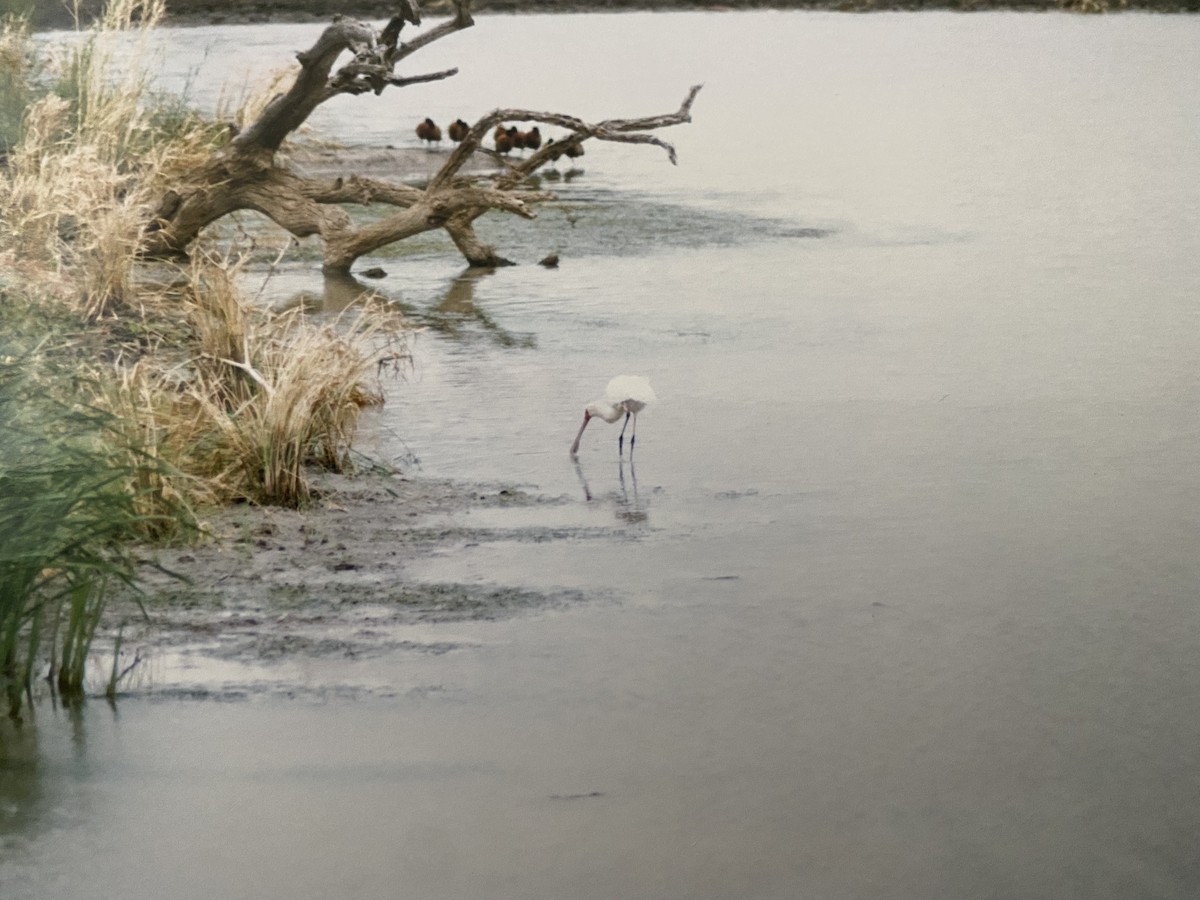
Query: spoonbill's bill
{"x": 628, "y": 394}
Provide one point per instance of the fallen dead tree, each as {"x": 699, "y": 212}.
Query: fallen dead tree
{"x": 248, "y": 174}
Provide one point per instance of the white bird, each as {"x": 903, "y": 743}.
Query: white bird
{"x": 628, "y": 394}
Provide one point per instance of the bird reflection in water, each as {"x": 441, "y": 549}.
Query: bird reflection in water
{"x": 629, "y": 507}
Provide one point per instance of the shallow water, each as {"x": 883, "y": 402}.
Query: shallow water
{"x": 900, "y": 600}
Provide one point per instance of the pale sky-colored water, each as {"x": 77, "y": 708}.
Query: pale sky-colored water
{"x": 909, "y": 608}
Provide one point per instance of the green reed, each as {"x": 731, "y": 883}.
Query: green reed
{"x": 67, "y": 522}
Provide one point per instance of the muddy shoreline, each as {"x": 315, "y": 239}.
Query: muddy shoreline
{"x": 270, "y": 586}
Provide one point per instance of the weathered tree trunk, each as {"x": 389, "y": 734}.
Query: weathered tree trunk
{"x": 246, "y": 174}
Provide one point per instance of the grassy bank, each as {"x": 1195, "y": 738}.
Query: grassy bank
{"x": 132, "y": 395}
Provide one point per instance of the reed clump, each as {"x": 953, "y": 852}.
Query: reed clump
{"x": 258, "y": 398}
{"x": 93, "y": 148}
{"x": 133, "y": 398}
{"x": 68, "y": 520}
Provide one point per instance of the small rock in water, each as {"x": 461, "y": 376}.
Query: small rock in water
{"x": 550, "y": 262}
{"x": 375, "y": 272}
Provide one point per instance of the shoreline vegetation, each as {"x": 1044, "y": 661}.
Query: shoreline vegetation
{"x": 136, "y": 397}
{"x": 212, "y": 12}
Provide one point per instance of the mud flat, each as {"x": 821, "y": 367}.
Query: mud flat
{"x": 272, "y": 587}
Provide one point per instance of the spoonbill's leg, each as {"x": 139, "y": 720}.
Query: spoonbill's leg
{"x": 633, "y": 436}
{"x": 621, "y": 437}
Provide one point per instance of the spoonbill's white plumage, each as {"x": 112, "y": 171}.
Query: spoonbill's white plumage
{"x": 625, "y": 395}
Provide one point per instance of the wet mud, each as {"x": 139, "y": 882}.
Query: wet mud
{"x": 270, "y": 586}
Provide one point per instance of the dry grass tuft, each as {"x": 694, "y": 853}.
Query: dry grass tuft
{"x": 92, "y": 155}
{"x": 281, "y": 390}
{"x": 257, "y": 397}
{"x": 304, "y": 389}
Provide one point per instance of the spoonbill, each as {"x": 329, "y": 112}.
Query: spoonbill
{"x": 628, "y": 394}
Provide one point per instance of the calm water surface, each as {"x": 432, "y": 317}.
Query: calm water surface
{"x": 901, "y": 599}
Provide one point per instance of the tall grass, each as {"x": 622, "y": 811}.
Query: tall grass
{"x": 16, "y": 75}
{"x": 259, "y": 397}
{"x": 279, "y": 391}
{"x": 128, "y": 402}
{"x": 66, "y": 518}
{"x": 93, "y": 150}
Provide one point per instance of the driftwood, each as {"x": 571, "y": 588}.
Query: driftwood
{"x": 246, "y": 174}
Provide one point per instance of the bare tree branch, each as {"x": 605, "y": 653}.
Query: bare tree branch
{"x": 358, "y": 78}
{"x": 616, "y": 130}
{"x": 362, "y": 191}
{"x": 435, "y": 210}
{"x": 289, "y": 111}
{"x": 390, "y": 35}
{"x": 462, "y": 19}
{"x": 246, "y": 175}
{"x": 370, "y": 70}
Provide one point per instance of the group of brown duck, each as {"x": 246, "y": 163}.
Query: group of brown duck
{"x": 505, "y": 139}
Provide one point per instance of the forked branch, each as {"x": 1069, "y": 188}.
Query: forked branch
{"x": 246, "y": 174}
{"x": 371, "y": 69}
{"x": 629, "y": 131}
